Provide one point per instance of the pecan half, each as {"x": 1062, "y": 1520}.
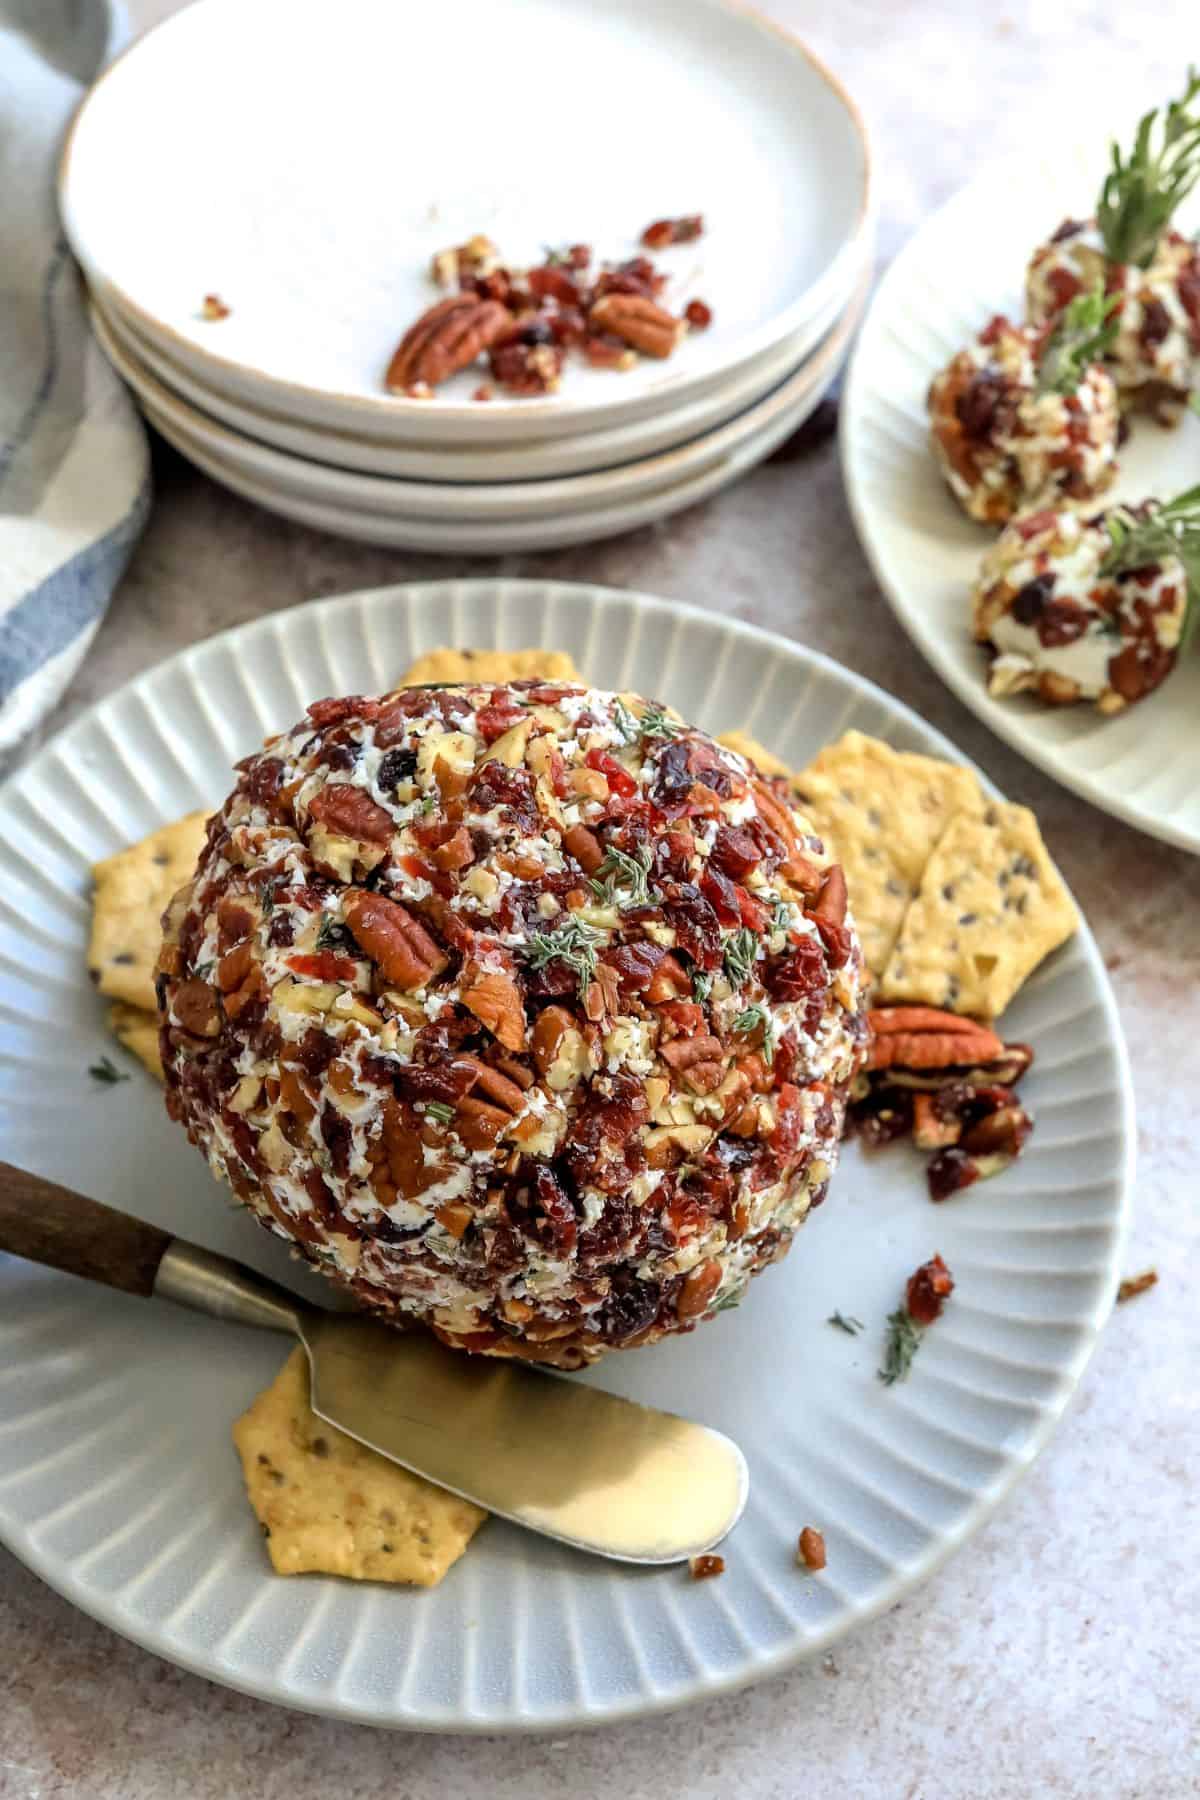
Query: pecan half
{"x": 924, "y": 1037}
{"x": 495, "y": 999}
{"x": 347, "y": 810}
{"x": 698, "y": 1289}
{"x": 639, "y": 322}
{"x": 406, "y": 954}
{"x": 444, "y": 340}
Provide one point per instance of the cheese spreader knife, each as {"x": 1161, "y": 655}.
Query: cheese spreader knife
{"x": 562, "y": 1458}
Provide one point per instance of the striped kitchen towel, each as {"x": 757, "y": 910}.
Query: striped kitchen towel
{"x": 74, "y": 464}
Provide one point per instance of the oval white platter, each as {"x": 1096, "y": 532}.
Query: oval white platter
{"x": 965, "y": 264}
{"x": 335, "y": 166}
{"x": 118, "y": 1483}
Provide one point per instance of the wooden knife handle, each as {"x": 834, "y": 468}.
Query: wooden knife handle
{"x": 49, "y": 1224}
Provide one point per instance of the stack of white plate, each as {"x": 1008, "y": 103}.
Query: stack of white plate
{"x": 304, "y": 165}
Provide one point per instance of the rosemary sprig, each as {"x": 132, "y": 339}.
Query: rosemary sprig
{"x": 1169, "y": 530}
{"x": 331, "y": 934}
{"x": 740, "y": 953}
{"x": 845, "y": 1322}
{"x": 701, "y": 985}
{"x": 574, "y": 943}
{"x": 1142, "y": 190}
{"x": 106, "y": 1072}
{"x": 903, "y": 1342}
{"x": 1084, "y": 334}
{"x": 625, "y": 722}
{"x": 750, "y": 1020}
{"x": 655, "y": 723}
{"x": 623, "y": 880}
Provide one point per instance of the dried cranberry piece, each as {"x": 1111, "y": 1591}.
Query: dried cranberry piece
{"x": 836, "y": 939}
{"x": 332, "y": 712}
{"x": 1061, "y": 622}
{"x": 721, "y": 895}
{"x": 316, "y": 1051}
{"x": 928, "y": 1289}
{"x": 495, "y": 785}
{"x": 447, "y": 1081}
{"x": 1156, "y": 323}
{"x": 336, "y": 1133}
{"x": 551, "y": 281}
{"x": 554, "y": 1223}
{"x": 1029, "y": 602}
{"x": 698, "y": 314}
{"x": 619, "y": 779}
{"x": 979, "y": 403}
{"x": 635, "y": 964}
{"x": 800, "y": 972}
{"x": 321, "y": 1195}
{"x": 949, "y": 1171}
{"x": 631, "y": 1307}
{"x": 281, "y": 931}
{"x": 735, "y": 852}
{"x": 551, "y": 980}
{"x": 262, "y": 780}
{"x": 1068, "y": 229}
{"x": 697, "y": 928}
{"x": 397, "y": 766}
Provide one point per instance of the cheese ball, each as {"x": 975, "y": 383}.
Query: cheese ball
{"x": 1004, "y": 444}
{"x": 526, "y": 1013}
{"x": 1158, "y": 319}
{"x": 1060, "y": 628}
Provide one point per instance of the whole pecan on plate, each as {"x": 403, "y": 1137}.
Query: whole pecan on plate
{"x": 444, "y": 340}
{"x": 637, "y": 321}
{"x": 949, "y": 1084}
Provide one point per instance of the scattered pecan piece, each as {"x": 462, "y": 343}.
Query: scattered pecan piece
{"x": 212, "y": 307}
{"x": 699, "y": 1286}
{"x": 810, "y": 1549}
{"x": 196, "y": 1008}
{"x": 703, "y": 1568}
{"x": 637, "y": 321}
{"x": 698, "y": 314}
{"x": 473, "y": 260}
{"x": 446, "y": 339}
{"x": 664, "y": 232}
{"x": 1133, "y": 1285}
{"x": 925, "y": 1037}
{"x": 406, "y": 954}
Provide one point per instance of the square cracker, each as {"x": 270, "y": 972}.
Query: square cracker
{"x": 490, "y": 665}
{"x": 137, "y": 1031}
{"x": 328, "y": 1505}
{"x": 133, "y": 890}
{"x": 991, "y": 906}
{"x": 880, "y": 812}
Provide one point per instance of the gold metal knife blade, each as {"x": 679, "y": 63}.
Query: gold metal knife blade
{"x": 547, "y": 1451}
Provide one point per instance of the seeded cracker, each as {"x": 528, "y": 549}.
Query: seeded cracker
{"x": 132, "y": 891}
{"x": 490, "y": 665}
{"x": 330, "y": 1506}
{"x": 881, "y": 811}
{"x": 138, "y": 1032}
{"x": 991, "y": 907}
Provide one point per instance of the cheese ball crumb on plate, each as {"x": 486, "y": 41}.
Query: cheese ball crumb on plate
{"x": 1027, "y": 415}
{"x": 1093, "y": 609}
{"x": 526, "y": 1012}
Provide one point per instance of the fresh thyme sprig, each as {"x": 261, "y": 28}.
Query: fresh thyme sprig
{"x": 439, "y": 1110}
{"x": 750, "y": 1020}
{"x": 331, "y": 934}
{"x": 701, "y": 985}
{"x": 655, "y": 723}
{"x": 574, "y": 943}
{"x": 845, "y": 1322}
{"x": 1141, "y": 191}
{"x": 1169, "y": 530}
{"x": 106, "y": 1072}
{"x": 903, "y": 1342}
{"x": 623, "y": 880}
{"x": 1084, "y": 334}
{"x": 740, "y": 954}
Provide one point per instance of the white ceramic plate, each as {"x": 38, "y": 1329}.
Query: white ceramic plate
{"x": 545, "y": 531}
{"x": 539, "y": 459}
{"x": 965, "y": 264}
{"x": 118, "y": 1484}
{"x": 476, "y": 502}
{"x": 307, "y": 171}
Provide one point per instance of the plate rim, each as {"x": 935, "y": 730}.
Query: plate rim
{"x": 1005, "y": 721}
{"x": 837, "y": 275}
{"x": 986, "y": 1499}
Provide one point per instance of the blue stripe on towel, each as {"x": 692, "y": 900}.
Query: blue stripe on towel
{"x": 52, "y": 615}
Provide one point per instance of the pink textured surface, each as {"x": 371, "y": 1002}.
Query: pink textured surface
{"x": 1058, "y": 1653}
